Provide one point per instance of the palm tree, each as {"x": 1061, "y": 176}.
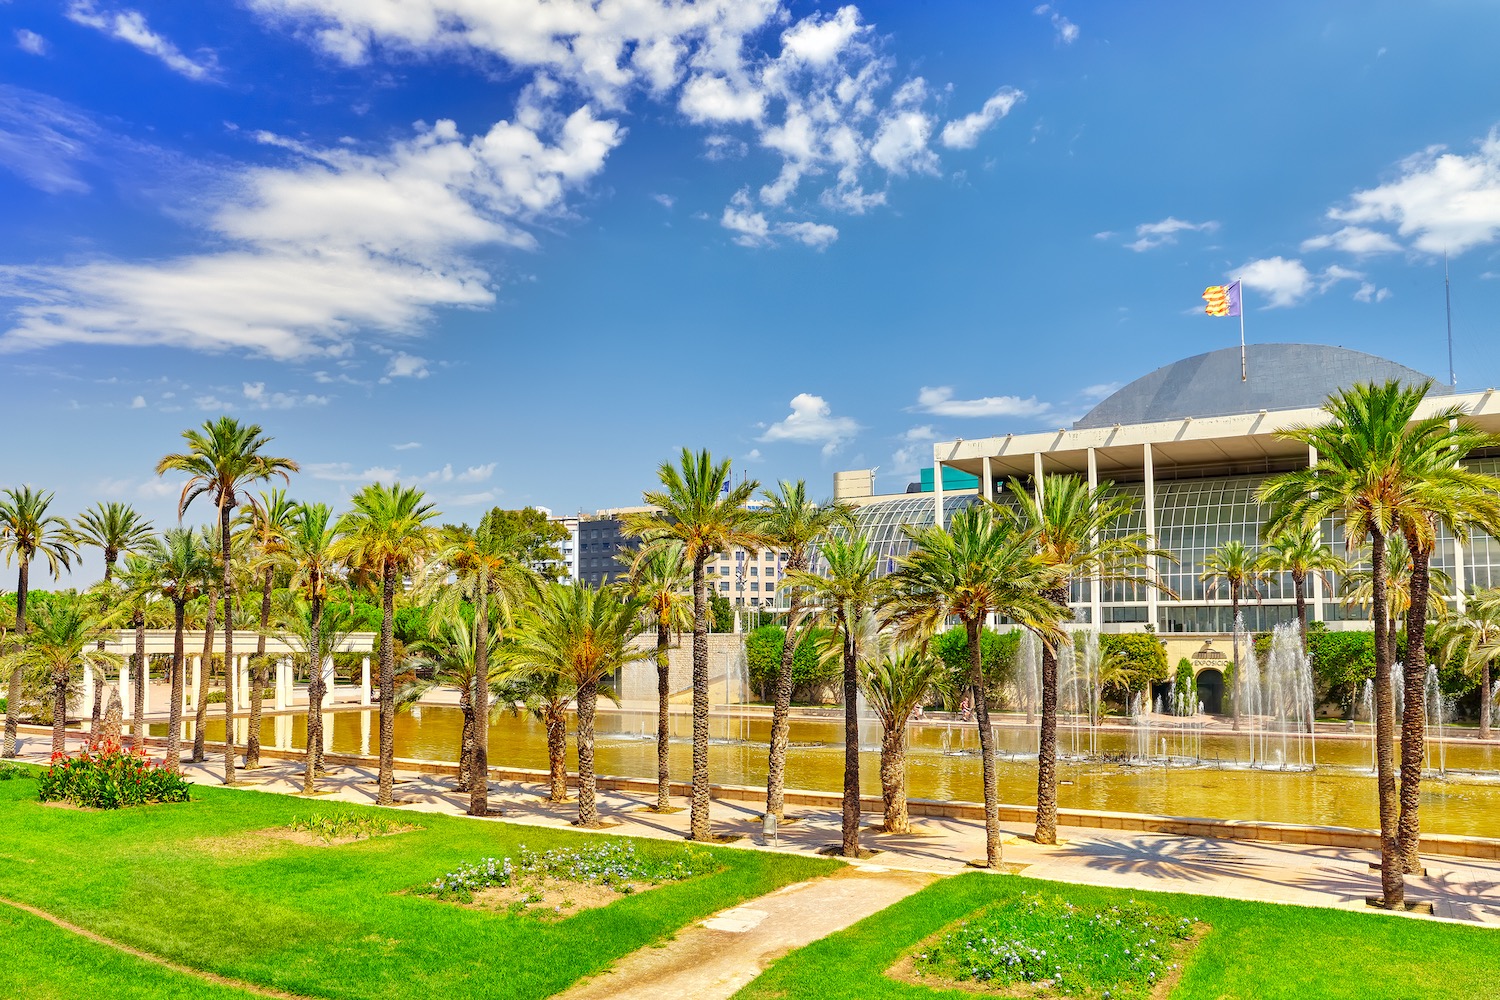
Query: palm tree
{"x": 847, "y": 591}
{"x": 1242, "y": 571}
{"x": 1359, "y": 588}
{"x": 1384, "y": 470}
{"x": 138, "y": 584}
{"x": 1299, "y": 550}
{"x": 117, "y": 530}
{"x": 387, "y": 536}
{"x": 222, "y": 461}
{"x": 27, "y": 531}
{"x": 315, "y": 629}
{"x": 309, "y": 546}
{"x": 1076, "y": 533}
{"x": 794, "y": 525}
{"x": 582, "y": 635}
{"x": 207, "y": 605}
{"x": 489, "y": 560}
{"x": 178, "y": 573}
{"x": 547, "y": 697}
{"x": 984, "y": 563}
{"x": 699, "y": 507}
{"x": 661, "y": 580}
{"x": 450, "y": 655}
{"x": 895, "y": 682}
{"x": 64, "y": 633}
{"x": 268, "y": 521}
{"x": 1472, "y": 639}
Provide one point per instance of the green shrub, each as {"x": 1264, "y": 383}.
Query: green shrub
{"x": 10, "y": 772}
{"x": 997, "y": 658}
{"x": 105, "y": 776}
{"x": 1145, "y": 653}
{"x": 763, "y": 658}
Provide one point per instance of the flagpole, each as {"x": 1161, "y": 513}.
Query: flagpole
{"x": 1448, "y": 306}
{"x": 1243, "y": 372}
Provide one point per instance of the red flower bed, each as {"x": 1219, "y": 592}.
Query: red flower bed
{"x": 104, "y": 775}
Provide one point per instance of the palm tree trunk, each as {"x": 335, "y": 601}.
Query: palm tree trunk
{"x": 698, "y": 827}
{"x": 479, "y": 789}
{"x": 1234, "y": 631}
{"x": 1299, "y": 586}
{"x": 313, "y": 755}
{"x": 387, "y": 683}
{"x": 229, "y": 680}
{"x": 1414, "y": 718}
{"x": 588, "y": 699}
{"x": 1484, "y": 701}
{"x": 59, "y": 712}
{"x": 200, "y": 715}
{"x": 13, "y": 692}
{"x": 258, "y": 677}
{"x": 98, "y": 704}
{"x": 851, "y": 740}
{"x": 557, "y": 751}
{"x": 142, "y": 675}
{"x": 781, "y": 718}
{"x": 1393, "y": 890}
{"x": 663, "y": 716}
{"x": 986, "y": 746}
{"x": 466, "y": 738}
{"x": 1046, "y": 762}
{"x": 893, "y": 779}
{"x": 174, "y": 711}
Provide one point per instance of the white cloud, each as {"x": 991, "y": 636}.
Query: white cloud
{"x": 1094, "y": 393}
{"x": 335, "y": 243}
{"x": 256, "y": 397}
{"x": 1067, "y": 31}
{"x": 407, "y": 445}
{"x": 1155, "y": 234}
{"x": 753, "y": 230}
{"x": 901, "y": 144}
{"x": 1287, "y": 282}
{"x": 130, "y": 26}
{"x": 1440, "y": 202}
{"x": 138, "y": 403}
{"x": 812, "y": 422}
{"x": 1368, "y": 292}
{"x": 819, "y": 42}
{"x": 344, "y": 472}
{"x": 753, "y": 455}
{"x": 476, "y": 473}
{"x": 939, "y": 400}
{"x": 43, "y": 141}
{"x": 1354, "y": 240}
{"x": 403, "y": 365}
{"x": 922, "y": 433}
{"x": 30, "y": 41}
{"x": 664, "y": 200}
{"x": 964, "y": 133}
{"x": 813, "y": 234}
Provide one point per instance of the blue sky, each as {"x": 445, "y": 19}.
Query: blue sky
{"x": 522, "y": 252}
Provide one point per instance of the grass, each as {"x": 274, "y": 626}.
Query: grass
{"x": 348, "y": 824}
{"x": 197, "y": 884}
{"x": 1258, "y": 950}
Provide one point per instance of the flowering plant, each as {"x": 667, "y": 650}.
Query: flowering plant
{"x": 105, "y": 775}
{"x": 612, "y": 864}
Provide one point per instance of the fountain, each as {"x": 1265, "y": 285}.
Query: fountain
{"x": 1287, "y": 698}
{"x": 1028, "y": 674}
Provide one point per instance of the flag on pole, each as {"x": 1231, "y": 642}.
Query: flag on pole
{"x": 1223, "y": 300}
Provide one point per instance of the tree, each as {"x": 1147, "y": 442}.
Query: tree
{"x": 309, "y": 544}
{"x": 1359, "y": 588}
{"x": 1472, "y": 639}
{"x": 1384, "y": 470}
{"x": 213, "y": 578}
{"x": 698, "y": 507}
{"x": 28, "y": 532}
{"x": 662, "y": 581}
{"x": 386, "y": 535}
{"x": 451, "y": 657}
{"x": 535, "y": 538}
{"x": 178, "y": 573}
{"x": 1076, "y": 532}
{"x": 983, "y": 563}
{"x": 848, "y": 590}
{"x": 1299, "y": 550}
{"x": 138, "y": 585}
{"x": 580, "y": 635}
{"x": 222, "y": 460}
{"x": 895, "y": 682}
{"x": 64, "y": 635}
{"x": 116, "y": 529}
{"x": 1242, "y": 571}
{"x": 795, "y": 525}
{"x": 493, "y": 559}
{"x": 264, "y": 524}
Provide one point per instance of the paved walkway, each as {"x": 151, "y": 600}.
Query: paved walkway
{"x": 1458, "y": 888}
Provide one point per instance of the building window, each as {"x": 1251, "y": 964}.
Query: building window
{"x": 755, "y": 586}
{"x": 724, "y": 585}
{"x": 755, "y": 571}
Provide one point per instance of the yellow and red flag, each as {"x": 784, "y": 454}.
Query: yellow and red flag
{"x": 1223, "y": 300}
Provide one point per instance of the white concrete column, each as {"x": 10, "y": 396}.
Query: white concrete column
{"x": 1151, "y": 595}
{"x": 364, "y": 734}
{"x": 88, "y": 687}
{"x": 242, "y": 685}
{"x": 364, "y": 681}
{"x": 124, "y": 689}
{"x": 937, "y": 493}
{"x": 328, "y": 678}
{"x": 145, "y": 681}
{"x": 1096, "y": 586}
{"x": 283, "y": 731}
{"x": 281, "y": 698}
{"x": 192, "y": 690}
{"x": 328, "y": 732}
{"x": 1036, "y": 477}
{"x": 989, "y": 480}
{"x": 1459, "y": 600}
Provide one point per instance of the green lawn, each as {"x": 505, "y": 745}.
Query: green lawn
{"x": 193, "y": 884}
{"x": 1255, "y": 950}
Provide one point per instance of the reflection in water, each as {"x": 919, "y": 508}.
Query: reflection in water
{"x": 943, "y": 764}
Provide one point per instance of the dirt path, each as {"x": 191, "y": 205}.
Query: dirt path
{"x": 713, "y": 959}
{"x": 209, "y": 977}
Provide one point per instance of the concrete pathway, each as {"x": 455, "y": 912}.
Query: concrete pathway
{"x": 714, "y": 959}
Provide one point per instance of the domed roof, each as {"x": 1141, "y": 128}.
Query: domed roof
{"x": 1281, "y": 377}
